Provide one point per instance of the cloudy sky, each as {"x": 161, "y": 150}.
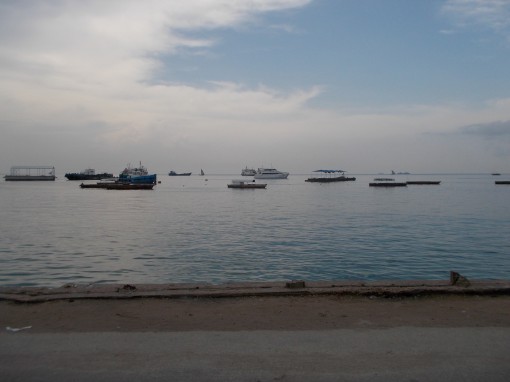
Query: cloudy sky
{"x": 363, "y": 85}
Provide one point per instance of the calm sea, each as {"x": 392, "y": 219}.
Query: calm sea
{"x": 195, "y": 229}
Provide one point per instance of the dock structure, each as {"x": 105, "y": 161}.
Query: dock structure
{"x": 24, "y": 173}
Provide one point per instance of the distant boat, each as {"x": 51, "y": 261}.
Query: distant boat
{"x": 88, "y": 174}
{"x": 428, "y": 182}
{"x": 244, "y": 184}
{"x": 331, "y": 177}
{"x": 248, "y": 172}
{"x": 400, "y": 173}
{"x": 31, "y": 173}
{"x": 173, "y": 173}
{"x": 496, "y": 173}
{"x": 270, "y": 173}
{"x": 119, "y": 186}
{"x": 502, "y": 182}
{"x": 386, "y": 182}
{"x": 202, "y": 172}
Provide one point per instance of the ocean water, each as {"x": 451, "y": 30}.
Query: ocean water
{"x": 195, "y": 229}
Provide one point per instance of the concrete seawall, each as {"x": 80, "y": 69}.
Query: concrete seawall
{"x": 292, "y": 288}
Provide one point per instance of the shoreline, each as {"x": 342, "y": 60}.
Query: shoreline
{"x": 400, "y": 288}
{"x": 279, "y": 306}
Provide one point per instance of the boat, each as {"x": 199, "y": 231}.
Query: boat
{"x": 87, "y": 174}
{"x": 245, "y": 184}
{"x": 428, "y": 182}
{"x": 329, "y": 177}
{"x": 129, "y": 186}
{"x": 386, "y": 182}
{"x": 173, "y": 173}
{"x": 248, "y": 171}
{"x": 102, "y": 184}
{"x": 31, "y": 173}
{"x": 502, "y": 182}
{"x": 202, "y": 172}
{"x": 138, "y": 175}
{"x": 270, "y": 173}
{"x": 496, "y": 174}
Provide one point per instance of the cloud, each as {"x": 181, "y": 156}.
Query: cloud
{"x": 492, "y": 130}
{"x": 75, "y": 64}
{"x": 491, "y": 14}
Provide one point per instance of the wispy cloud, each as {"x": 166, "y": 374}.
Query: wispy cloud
{"x": 491, "y": 14}
{"x": 491, "y": 130}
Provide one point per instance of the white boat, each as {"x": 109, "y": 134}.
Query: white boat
{"x": 270, "y": 173}
{"x": 243, "y": 184}
{"x": 248, "y": 171}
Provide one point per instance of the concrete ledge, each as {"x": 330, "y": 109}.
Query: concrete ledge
{"x": 387, "y": 289}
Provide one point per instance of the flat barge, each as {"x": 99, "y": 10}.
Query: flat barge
{"x": 386, "y": 182}
{"x": 120, "y": 186}
{"x": 428, "y": 182}
{"x": 31, "y": 173}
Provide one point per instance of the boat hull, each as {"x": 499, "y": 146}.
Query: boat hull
{"x": 330, "y": 180}
{"x": 138, "y": 179}
{"x": 176, "y": 174}
{"x": 23, "y": 178}
{"x": 388, "y": 184}
{"x": 77, "y": 176}
{"x": 129, "y": 186}
{"x": 247, "y": 186}
{"x": 424, "y": 182}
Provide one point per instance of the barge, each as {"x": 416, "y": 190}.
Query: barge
{"x": 31, "y": 173}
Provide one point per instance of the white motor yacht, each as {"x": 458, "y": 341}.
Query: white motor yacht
{"x": 270, "y": 173}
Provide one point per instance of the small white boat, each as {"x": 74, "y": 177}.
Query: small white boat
{"x": 248, "y": 171}
{"x": 245, "y": 184}
{"x": 270, "y": 173}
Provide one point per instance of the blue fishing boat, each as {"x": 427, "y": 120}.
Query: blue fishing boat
{"x": 137, "y": 175}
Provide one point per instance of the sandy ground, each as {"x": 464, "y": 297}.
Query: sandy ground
{"x": 322, "y": 312}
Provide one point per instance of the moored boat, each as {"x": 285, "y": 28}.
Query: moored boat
{"x": 173, "y": 173}
{"x": 138, "y": 175}
{"x": 129, "y": 186}
{"x": 328, "y": 177}
{"x": 424, "y": 182}
{"x": 248, "y": 171}
{"x": 502, "y": 182}
{"x": 31, "y": 173}
{"x": 386, "y": 182}
{"x": 270, "y": 173}
{"x": 87, "y": 174}
{"x": 244, "y": 184}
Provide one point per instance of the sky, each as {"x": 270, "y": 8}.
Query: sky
{"x": 366, "y": 86}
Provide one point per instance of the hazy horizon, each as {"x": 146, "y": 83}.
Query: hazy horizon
{"x": 364, "y": 86}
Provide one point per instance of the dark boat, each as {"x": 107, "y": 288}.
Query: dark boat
{"x": 331, "y": 178}
{"x": 93, "y": 185}
{"x": 88, "y": 174}
{"x": 502, "y": 182}
{"x": 424, "y": 182}
{"x": 173, "y": 173}
{"x": 129, "y": 186}
{"x": 386, "y": 182}
{"x": 244, "y": 184}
